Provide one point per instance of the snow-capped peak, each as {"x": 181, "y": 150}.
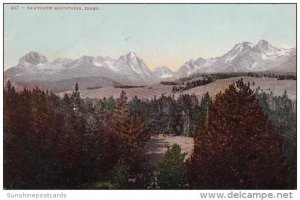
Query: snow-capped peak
{"x": 241, "y": 46}
{"x": 267, "y": 51}
{"x": 33, "y": 58}
{"x": 162, "y": 72}
{"x": 101, "y": 61}
{"x": 263, "y": 44}
{"x": 237, "y": 49}
{"x": 131, "y": 55}
{"x": 88, "y": 59}
{"x": 249, "y": 44}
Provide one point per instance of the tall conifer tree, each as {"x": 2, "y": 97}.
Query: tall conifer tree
{"x": 237, "y": 147}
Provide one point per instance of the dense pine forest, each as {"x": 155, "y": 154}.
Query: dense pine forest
{"x": 244, "y": 139}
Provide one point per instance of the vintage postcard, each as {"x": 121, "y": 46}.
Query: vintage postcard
{"x": 149, "y": 96}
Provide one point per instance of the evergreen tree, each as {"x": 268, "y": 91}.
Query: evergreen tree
{"x": 12, "y": 159}
{"x": 206, "y": 104}
{"x": 282, "y": 112}
{"x": 76, "y": 98}
{"x": 126, "y": 134}
{"x": 237, "y": 148}
{"x": 171, "y": 168}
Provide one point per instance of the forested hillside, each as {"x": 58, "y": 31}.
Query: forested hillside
{"x": 243, "y": 139}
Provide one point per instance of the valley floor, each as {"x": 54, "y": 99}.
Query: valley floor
{"x": 265, "y": 84}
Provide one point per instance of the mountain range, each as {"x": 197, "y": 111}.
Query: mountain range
{"x": 244, "y": 57}
{"x": 34, "y": 69}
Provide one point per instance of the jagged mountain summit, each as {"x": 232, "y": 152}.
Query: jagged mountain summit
{"x": 134, "y": 68}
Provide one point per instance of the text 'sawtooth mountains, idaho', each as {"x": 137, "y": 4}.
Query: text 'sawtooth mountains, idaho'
{"x": 61, "y": 74}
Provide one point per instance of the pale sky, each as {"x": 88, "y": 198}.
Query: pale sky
{"x": 159, "y": 34}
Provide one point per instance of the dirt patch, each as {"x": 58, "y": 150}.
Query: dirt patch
{"x": 156, "y": 147}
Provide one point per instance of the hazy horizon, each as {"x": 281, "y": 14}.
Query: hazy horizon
{"x": 160, "y": 34}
